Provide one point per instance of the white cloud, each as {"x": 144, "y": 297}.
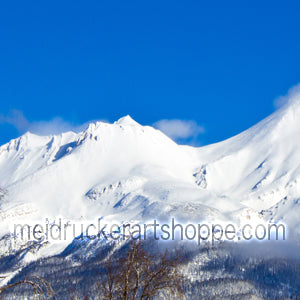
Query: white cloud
{"x": 292, "y": 95}
{"x": 180, "y": 129}
{"x": 15, "y": 118}
{"x": 56, "y": 125}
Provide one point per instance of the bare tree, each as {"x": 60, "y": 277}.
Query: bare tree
{"x": 141, "y": 275}
{"x": 40, "y": 287}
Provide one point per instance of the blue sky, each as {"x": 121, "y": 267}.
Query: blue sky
{"x": 210, "y": 69}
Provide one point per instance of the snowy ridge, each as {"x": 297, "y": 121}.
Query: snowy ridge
{"x": 126, "y": 171}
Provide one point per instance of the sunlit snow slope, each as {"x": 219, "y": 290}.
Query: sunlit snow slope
{"x": 125, "y": 171}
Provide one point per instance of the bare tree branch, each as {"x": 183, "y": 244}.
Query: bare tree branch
{"x": 40, "y": 286}
{"x": 138, "y": 274}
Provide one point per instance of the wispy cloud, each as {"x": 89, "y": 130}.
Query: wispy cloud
{"x": 180, "y": 130}
{"x": 293, "y": 94}
{"x": 16, "y": 119}
{"x": 55, "y": 125}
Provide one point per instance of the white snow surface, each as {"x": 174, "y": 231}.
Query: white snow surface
{"x": 124, "y": 171}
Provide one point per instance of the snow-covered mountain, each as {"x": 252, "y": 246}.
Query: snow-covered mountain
{"x": 124, "y": 171}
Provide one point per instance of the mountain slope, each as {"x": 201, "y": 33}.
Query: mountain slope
{"x": 125, "y": 171}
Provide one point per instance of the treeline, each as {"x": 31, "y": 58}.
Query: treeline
{"x": 144, "y": 270}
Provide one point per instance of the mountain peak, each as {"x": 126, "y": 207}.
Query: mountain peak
{"x": 127, "y": 120}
